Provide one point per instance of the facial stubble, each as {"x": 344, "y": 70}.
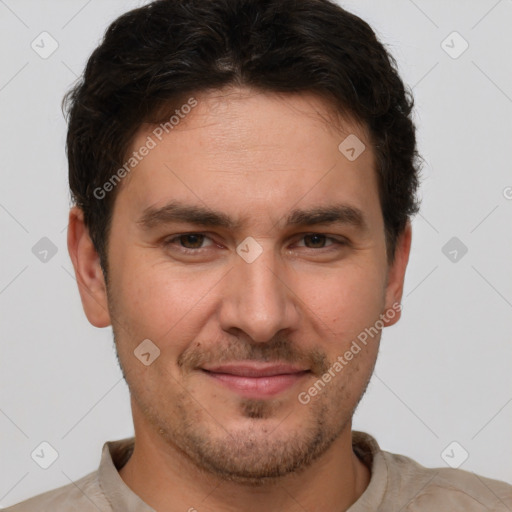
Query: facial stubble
{"x": 262, "y": 451}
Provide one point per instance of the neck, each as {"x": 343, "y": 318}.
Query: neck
{"x": 165, "y": 479}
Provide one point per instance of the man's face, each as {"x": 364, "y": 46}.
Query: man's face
{"x": 294, "y": 294}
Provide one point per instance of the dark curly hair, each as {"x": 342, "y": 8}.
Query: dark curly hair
{"x": 153, "y": 57}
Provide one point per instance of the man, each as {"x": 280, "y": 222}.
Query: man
{"x": 244, "y": 174}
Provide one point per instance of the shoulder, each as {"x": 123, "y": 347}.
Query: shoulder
{"x": 440, "y": 489}
{"x": 84, "y": 495}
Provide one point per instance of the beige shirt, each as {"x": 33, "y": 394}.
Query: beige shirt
{"x": 397, "y": 484}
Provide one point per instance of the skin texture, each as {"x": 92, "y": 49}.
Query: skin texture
{"x": 255, "y": 157}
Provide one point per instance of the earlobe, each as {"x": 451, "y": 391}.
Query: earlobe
{"x": 88, "y": 272}
{"x": 396, "y": 276}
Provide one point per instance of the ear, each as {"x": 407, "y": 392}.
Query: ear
{"x": 396, "y": 276}
{"x": 89, "y": 276}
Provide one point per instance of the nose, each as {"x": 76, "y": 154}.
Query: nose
{"x": 257, "y": 299}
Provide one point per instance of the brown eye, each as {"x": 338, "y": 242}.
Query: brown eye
{"x": 192, "y": 241}
{"x": 315, "y": 241}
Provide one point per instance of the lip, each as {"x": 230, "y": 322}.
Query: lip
{"x": 256, "y": 380}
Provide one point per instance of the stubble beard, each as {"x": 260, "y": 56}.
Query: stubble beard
{"x": 256, "y": 454}
{"x": 261, "y": 452}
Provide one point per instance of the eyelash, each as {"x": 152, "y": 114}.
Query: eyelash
{"x": 169, "y": 241}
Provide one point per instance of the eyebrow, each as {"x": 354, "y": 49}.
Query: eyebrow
{"x": 202, "y": 216}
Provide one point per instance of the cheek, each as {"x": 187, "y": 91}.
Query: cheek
{"x": 346, "y": 301}
{"x": 161, "y": 302}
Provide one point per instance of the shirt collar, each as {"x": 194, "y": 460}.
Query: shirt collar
{"x": 114, "y": 456}
{"x": 369, "y": 452}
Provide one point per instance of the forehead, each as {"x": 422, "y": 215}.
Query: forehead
{"x": 252, "y": 153}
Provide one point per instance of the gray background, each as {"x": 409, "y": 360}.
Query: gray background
{"x": 444, "y": 370}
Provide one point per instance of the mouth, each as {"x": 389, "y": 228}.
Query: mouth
{"x": 256, "y": 380}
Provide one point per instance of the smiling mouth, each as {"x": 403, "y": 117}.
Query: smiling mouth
{"x": 256, "y": 380}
